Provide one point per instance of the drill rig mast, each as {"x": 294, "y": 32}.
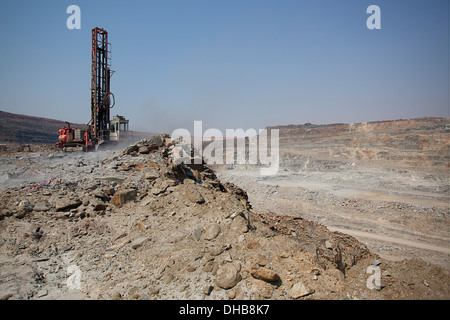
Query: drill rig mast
{"x": 100, "y": 85}
{"x": 99, "y": 127}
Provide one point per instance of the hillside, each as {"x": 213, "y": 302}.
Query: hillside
{"x": 419, "y": 142}
{"x": 17, "y": 128}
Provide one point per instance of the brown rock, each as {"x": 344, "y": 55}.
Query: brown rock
{"x": 119, "y": 245}
{"x": 336, "y": 273}
{"x": 138, "y": 242}
{"x": 211, "y": 266}
{"x": 41, "y": 206}
{"x": 227, "y": 276}
{"x": 131, "y": 149}
{"x": 168, "y": 278}
{"x": 144, "y": 150}
{"x": 109, "y": 191}
{"x": 7, "y": 296}
{"x": 265, "y": 274}
{"x": 67, "y": 204}
{"x": 25, "y": 205}
{"x": 299, "y": 290}
{"x": 155, "y": 141}
{"x": 211, "y": 232}
{"x": 116, "y": 296}
{"x": 150, "y": 175}
{"x": 207, "y": 288}
{"x": 99, "y": 206}
{"x": 85, "y": 201}
{"x": 7, "y": 212}
{"x": 261, "y": 260}
{"x": 122, "y": 196}
{"x": 239, "y": 224}
{"x": 194, "y": 196}
{"x": 262, "y": 290}
{"x": 216, "y": 251}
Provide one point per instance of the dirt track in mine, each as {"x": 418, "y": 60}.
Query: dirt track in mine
{"x": 393, "y": 226}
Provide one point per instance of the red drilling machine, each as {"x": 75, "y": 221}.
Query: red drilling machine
{"x": 100, "y": 128}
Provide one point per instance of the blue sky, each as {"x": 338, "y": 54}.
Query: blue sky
{"x": 233, "y": 64}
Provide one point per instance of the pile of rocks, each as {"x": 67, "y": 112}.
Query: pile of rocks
{"x": 146, "y": 146}
{"x": 139, "y": 226}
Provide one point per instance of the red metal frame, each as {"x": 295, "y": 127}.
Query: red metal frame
{"x": 99, "y": 125}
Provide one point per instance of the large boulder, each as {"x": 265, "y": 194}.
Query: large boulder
{"x": 227, "y": 276}
{"x": 156, "y": 140}
{"x": 194, "y": 196}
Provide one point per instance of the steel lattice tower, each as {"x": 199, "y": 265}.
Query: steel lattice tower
{"x": 100, "y": 85}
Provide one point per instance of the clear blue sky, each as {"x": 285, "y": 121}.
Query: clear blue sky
{"x": 231, "y": 63}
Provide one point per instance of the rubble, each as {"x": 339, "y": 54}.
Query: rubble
{"x": 139, "y": 227}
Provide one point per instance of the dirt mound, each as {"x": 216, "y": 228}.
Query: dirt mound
{"x": 333, "y": 250}
{"x": 134, "y": 225}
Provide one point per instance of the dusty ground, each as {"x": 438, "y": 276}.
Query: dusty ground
{"x": 132, "y": 225}
{"x": 392, "y": 222}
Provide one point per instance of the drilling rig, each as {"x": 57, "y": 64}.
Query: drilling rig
{"x": 100, "y": 128}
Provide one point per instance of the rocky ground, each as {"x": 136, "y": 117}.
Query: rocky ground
{"x": 130, "y": 224}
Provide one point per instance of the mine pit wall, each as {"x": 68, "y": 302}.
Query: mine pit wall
{"x": 394, "y": 173}
{"x": 420, "y": 143}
